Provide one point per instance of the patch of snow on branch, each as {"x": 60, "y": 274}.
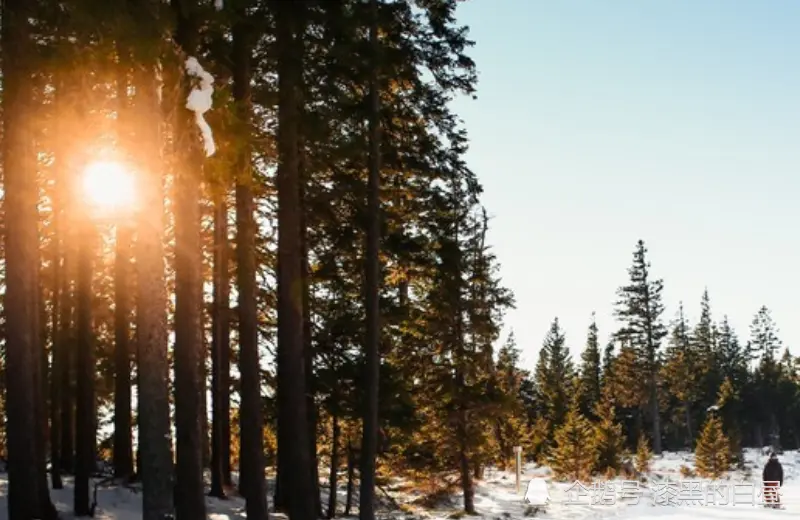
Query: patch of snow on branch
{"x": 219, "y": 4}
{"x": 199, "y": 101}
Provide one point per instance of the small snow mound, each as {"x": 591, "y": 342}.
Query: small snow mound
{"x": 536, "y": 494}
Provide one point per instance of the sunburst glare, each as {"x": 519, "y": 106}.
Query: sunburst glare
{"x": 108, "y": 187}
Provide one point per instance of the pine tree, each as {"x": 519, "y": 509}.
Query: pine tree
{"x": 683, "y": 371}
{"x": 729, "y": 406}
{"x": 640, "y": 308}
{"x": 712, "y": 455}
{"x": 703, "y": 344}
{"x": 731, "y": 355}
{"x": 608, "y": 361}
{"x": 554, "y": 374}
{"x": 590, "y": 372}
{"x": 609, "y": 438}
{"x": 511, "y": 422}
{"x": 643, "y": 455}
{"x": 764, "y": 345}
{"x": 574, "y": 455}
{"x": 764, "y": 339}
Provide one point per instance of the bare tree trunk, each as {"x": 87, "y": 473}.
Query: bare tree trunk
{"x": 188, "y": 284}
{"x": 308, "y": 348}
{"x": 220, "y": 385}
{"x": 123, "y": 422}
{"x": 155, "y": 446}
{"x": 334, "y": 472}
{"x": 292, "y": 402}
{"x": 21, "y": 244}
{"x": 372, "y": 343}
{"x": 85, "y": 431}
{"x": 40, "y": 404}
{"x": 57, "y": 343}
{"x": 123, "y": 425}
{"x": 351, "y": 470}
{"x": 689, "y": 430}
{"x": 251, "y": 423}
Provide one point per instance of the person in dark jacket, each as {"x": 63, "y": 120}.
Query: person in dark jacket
{"x": 773, "y": 480}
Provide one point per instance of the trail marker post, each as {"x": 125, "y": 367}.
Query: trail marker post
{"x": 518, "y": 464}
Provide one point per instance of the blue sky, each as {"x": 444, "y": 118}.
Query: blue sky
{"x": 601, "y": 122}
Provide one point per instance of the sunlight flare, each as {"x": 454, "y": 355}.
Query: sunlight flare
{"x": 108, "y": 187}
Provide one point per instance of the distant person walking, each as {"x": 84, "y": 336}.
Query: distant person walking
{"x": 773, "y": 480}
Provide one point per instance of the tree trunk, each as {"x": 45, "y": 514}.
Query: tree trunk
{"x": 689, "y": 430}
{"x": 369, "y": 442}
{"x": 463, "y": 450}
{"x": 220, "y": 346}
{"x": 351, "y": 470}
{"x": 292, "y": 413}
{"x": 251, "y": 423}
{"x": 308, "y": 347}
{"x": 57, "y": 343}
{"x": 21, "y": 243}
{"x": 655, "y": 417}
{"x": 67, "y": 366}
{"x": 205, "y": 427}
{"x": 123, "y": 425}
{"x": 85, "y": 431}
{"x": 459, "y": 353}
{"x": 28, "y": 495}
{"x": 190, "y": 504}
{"x": 334, "y": 472}
{"x": 155, "y": 446}
{"x": 22, "y": 284}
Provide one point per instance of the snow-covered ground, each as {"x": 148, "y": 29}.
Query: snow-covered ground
{"x": 737, "y": 496}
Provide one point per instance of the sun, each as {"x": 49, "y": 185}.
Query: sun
{"x": 108, "y": 187}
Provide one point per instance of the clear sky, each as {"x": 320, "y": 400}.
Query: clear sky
{"x": 600, "y": 122}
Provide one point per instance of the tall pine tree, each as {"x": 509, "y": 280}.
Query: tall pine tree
{"x": 639, "y": 308}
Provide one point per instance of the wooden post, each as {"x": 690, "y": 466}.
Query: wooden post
{"x": 518, "y": 464}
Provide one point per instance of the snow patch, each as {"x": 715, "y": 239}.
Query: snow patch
{"x": 537, "y": 494}
{"x": 199, "y": 101}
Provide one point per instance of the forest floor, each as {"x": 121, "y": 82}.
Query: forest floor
{"x": 496, "y": 497}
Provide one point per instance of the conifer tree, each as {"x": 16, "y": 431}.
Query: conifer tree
{"x": 703, "y": 344}
{"x": 731, "y": 355}
{"x": 639, "y": 309}
{"x": 628, "y": 389}
{"x": 729, "y": 406}
{"x": 512, "y": 423}
{"x": 764, "y": 345}
{"x": 554, "y": 374}
{"x": 609, "y": 438}
{"x": 574, "y": 454}
{"x": 712, "y": 455}
{"x": 682, "y": 371}
{"x": 590, "y": 371}
{"x": 608, "y": 361}
{"x": 643, "y": 455}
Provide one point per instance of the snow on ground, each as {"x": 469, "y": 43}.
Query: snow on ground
{"x": 496, "y": 497}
